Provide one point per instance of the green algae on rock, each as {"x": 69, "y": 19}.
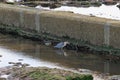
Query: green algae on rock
{"x": 49, "y": 74}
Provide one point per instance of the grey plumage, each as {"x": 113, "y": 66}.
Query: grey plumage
{"x": 61, "y": 45}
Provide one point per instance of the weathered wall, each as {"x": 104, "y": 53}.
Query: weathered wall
{"x": 73, "y": 27}
{"x": 92, "y": 29}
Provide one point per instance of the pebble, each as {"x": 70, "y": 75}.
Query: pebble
{"x": 11, "y": 63}
{"x": 18, "y": 63}
{"x": 24, "y": 65}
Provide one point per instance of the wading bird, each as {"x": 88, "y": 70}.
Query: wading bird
{"x": 61, "y": 45}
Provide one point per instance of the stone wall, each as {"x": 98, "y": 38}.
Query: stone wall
{"x": 97, "y": 31}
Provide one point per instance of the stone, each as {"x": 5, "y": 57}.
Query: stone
{"x": 11, "y": 63}
{"x": 24, "y": 65}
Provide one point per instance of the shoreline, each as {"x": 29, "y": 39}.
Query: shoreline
{"x": 23, "y": 71}
{"x": 15, "y": 72}
{"x": 75, "y": 44}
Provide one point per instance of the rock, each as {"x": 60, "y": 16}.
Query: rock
{"x": 91, "y": 15}
{"x": 118, "y": 6}
{"x": 52, "y": 6}
{"x": 11, "y": 63}
{"x": 24, "y": 65}
{"x": 18, "y": 63}
{"x": 109, "y": 2}
{"x": 45, "y": 4}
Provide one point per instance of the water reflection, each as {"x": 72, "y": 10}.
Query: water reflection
{"x": 64, "y": 53}
{"x": 37, "y": 50}
{"x": 35, "y": 53}
{"x": 61, "y": 52}
{"x": 11, "y": 56}
{"x": 106, "y": 67}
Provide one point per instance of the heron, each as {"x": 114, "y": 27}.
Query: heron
{"x": 61, "y": 45}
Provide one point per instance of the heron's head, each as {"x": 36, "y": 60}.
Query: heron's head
{"x": 66, "y": 42}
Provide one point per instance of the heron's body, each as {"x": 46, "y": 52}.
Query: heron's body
{"x": 61, "y": 45}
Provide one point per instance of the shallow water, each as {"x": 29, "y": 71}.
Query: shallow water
{"x": 13, "y": 49}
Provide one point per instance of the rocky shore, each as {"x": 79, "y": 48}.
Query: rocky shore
{"x": 44, "y": 73}
{"x": 40, "y": 73}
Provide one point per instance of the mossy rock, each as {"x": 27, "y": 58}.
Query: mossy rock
{"x": 82, "y": 77}
{"x": 110, "y": 3}
{"x": 96, "y": 4}
{"x": 10, "y": 3}
{"x": 85, "y": 4}
{"x": 50, "y": 74}
{"x": 45, "y": 5}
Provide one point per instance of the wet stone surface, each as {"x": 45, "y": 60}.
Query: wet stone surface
{"x": 19, "y": 73}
